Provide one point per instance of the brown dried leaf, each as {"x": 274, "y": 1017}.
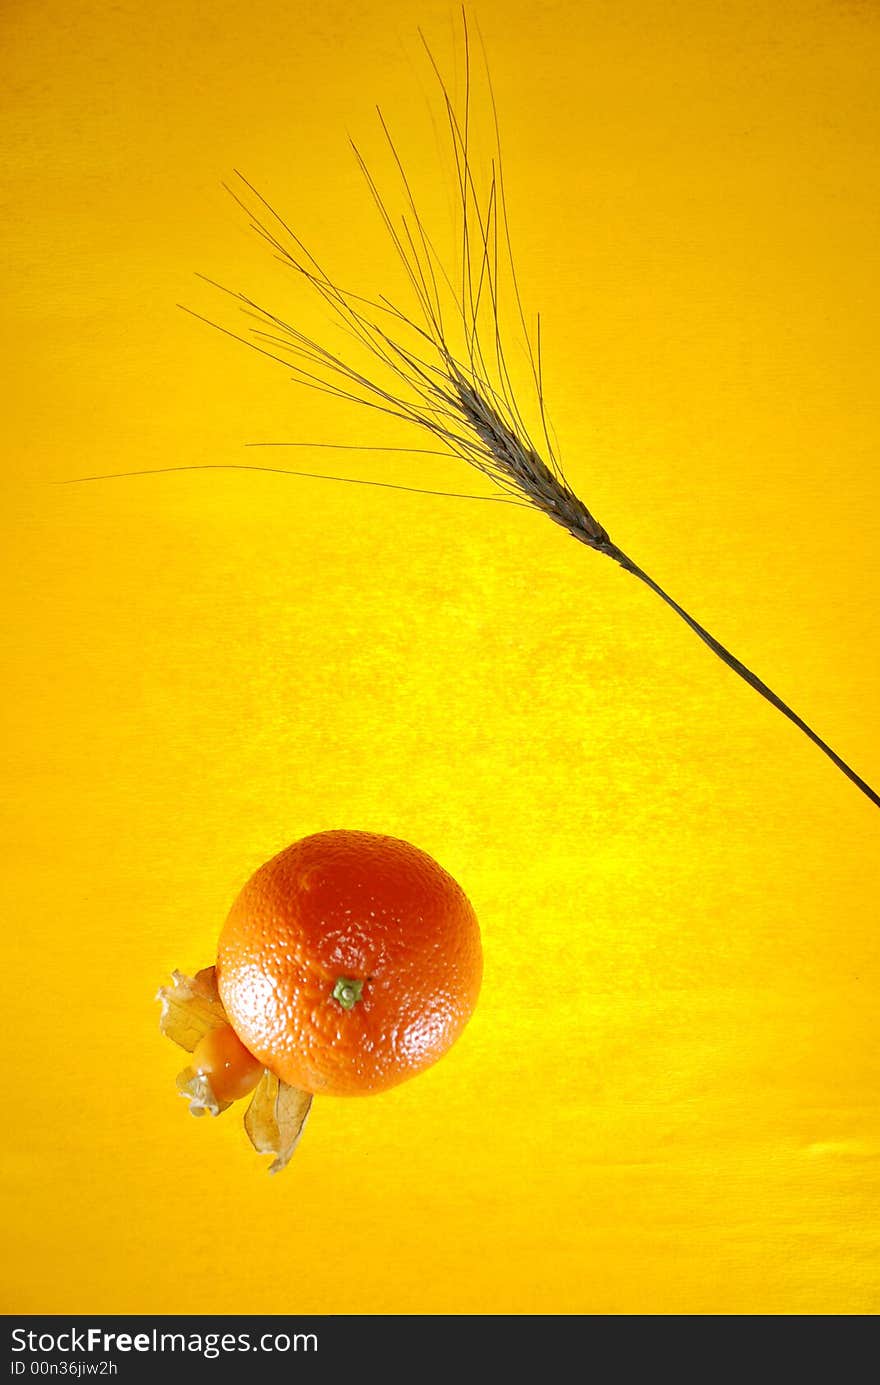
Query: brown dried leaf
{"x": 191, "y": 1008}
{"x": 197, "y": 1089}
{"x": 276, "y": 1118}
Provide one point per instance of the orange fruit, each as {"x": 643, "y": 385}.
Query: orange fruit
{"x": 349, "y": 962}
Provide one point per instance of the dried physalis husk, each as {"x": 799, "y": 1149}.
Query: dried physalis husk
{"x": 191, "y": 1008}
{"x": 276, "y": 1118}
{"x": 276, "y": 1115}
{"x": 196, "y": 1087}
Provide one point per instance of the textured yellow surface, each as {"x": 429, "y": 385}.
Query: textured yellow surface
{"x": 667, "y": 1099}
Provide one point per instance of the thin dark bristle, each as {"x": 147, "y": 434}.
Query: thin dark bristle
{"x": 284, "y": 471}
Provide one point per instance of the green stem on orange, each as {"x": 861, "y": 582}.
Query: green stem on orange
{"x": 347, "y": 992}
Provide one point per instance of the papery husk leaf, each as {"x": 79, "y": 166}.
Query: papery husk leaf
{"x": 197, "y": 1089}
{"x": 191, "y": 1008}
{"x": 276, "y": 1118}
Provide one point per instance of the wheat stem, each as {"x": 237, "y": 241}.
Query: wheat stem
{"x": 612, "y": 551}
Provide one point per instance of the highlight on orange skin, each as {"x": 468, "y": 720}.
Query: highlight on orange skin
{"x": 230, "y": 1068}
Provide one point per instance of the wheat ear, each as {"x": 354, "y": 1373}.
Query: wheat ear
{"x": 443, "y": 366}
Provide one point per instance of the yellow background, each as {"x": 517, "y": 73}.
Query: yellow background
{"x": 667, "y": 1100}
